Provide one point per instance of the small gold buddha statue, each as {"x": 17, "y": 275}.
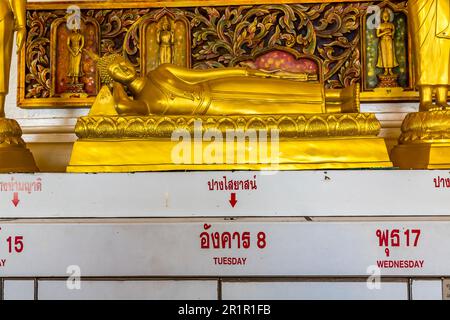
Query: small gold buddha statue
{"x": 75, "y": 45}
{"x": 165, "y": 40}
{"x": 387, "y": 59}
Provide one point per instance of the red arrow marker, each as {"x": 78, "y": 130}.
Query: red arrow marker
{"x": 233, "y": 200}
{"x": 16, "y": 200}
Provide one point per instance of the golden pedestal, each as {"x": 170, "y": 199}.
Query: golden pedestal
{"x": 313, "y": 141}
{"x": 422, "y": 156}
{"x": 14, "y": 156}
{"x": 424, "y": 142}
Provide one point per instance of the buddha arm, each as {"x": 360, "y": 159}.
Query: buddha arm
{"x": 18, "y": 7}
{"x": 196, "y": 76}
{"x": 124, "y": 105}
{"x": 69, "y": 46}
{"x": 382, "y": 32}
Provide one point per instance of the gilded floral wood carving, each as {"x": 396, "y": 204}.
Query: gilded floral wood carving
{"x": 220, "y": 36}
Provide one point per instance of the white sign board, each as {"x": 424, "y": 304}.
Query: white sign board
{"x": 219, "y": 248}
{"x": 224, "y": 194}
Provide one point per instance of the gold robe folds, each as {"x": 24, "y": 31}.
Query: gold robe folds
{"x": 172, "y": 90}
{"x": 429, "y": 24}
{"x": 424, "y": 142}
{"x": 75, "y": 44}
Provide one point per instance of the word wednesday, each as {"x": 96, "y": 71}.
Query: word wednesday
{"x": 409, "y": 264}
{"x": 190, "y": 310}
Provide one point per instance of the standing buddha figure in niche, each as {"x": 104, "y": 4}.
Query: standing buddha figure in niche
{"x": 75, "y": 45}
{"x": 386, "y": 49}
{"x": 165, "y": 40}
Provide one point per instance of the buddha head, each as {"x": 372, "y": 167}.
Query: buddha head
{"x": 115, "y": 67}
{"x": 386, "y": 15}
{"x": 165, "y": 25}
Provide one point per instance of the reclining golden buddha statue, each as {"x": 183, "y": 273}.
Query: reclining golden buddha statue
{"x": 309, "y": 127}
{"x": 174, "y": 90}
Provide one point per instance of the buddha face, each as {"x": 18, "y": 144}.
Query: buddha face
{"x": 165, "y": 24}
{"x": 122, "y": 71}
{"x": 386, "y": 16}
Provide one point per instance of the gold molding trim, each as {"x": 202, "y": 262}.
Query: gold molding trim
{"x": 289, "y": 126}
{"x": 160, "y": 4}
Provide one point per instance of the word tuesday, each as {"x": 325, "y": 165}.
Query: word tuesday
{"x": 230, "y": 260}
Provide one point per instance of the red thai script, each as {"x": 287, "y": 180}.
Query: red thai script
{"x": 229, "y": 240}
{"x": 21, "y": 186}
{"x": 232, "y": 185}
{"x": 395, "y": 238}
{"x": 440, "y": 182}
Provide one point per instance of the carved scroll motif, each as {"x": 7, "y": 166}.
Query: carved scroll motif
{"x": 199, "y": 37}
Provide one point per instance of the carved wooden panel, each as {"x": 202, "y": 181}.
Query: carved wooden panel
{"x": 209, "y": 37}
